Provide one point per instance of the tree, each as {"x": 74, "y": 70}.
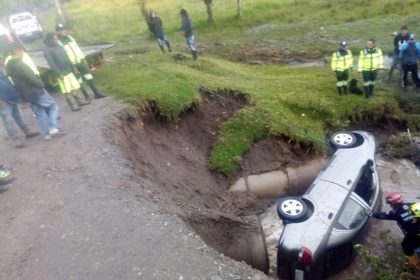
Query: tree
{"x": 209, "y": 10}
{"x": 239, "y": 12}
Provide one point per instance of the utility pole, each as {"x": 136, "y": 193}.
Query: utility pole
{"x": 60, "y": 15}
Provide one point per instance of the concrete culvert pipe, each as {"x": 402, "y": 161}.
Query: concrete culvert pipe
{"x": 279, "y": 183}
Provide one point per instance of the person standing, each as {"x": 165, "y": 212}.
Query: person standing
{"x": 156, "y": 26}
{"x": 399, "y": 41}
{"x": 186, "y": 27}
{"x": 405, "y": 216}
{"x": 10, "y": 111}
{"x": 31, "y": 89}
{"x": 341, "y": 64}
{"x": 409, "y": 54}
{"x": 370, "y": 61}
{"x": 61, "y": 68}
{"x": 77, "y": 58}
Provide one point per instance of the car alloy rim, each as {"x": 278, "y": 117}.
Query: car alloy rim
{"x": 343, "y": 139}
{"x": 292, "y": 207}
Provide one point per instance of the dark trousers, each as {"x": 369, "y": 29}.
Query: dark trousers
{"x": 342, "y": 77}
{"x": 414, "y": 73}
{"x": 369, "y": 77}
{"x": 409, "y": 244}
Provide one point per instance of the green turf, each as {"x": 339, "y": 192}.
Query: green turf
{"x": 299, "y": 104}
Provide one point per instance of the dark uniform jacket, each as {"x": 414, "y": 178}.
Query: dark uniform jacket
{"x": 27, "y": 83}
{"x": 402, "y": 215}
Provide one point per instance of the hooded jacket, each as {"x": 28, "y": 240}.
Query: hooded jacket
{"x": 27, "y": 83}
{"x": 410, "y": 53}
{"x": 57, "y": 58}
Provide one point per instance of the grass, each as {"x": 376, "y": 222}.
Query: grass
{"x": 299, "y": 104}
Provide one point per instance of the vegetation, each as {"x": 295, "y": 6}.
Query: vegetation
{"x": 299, "y": 104}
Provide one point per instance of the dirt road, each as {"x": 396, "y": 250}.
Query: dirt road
{"x": 73, "y": 212}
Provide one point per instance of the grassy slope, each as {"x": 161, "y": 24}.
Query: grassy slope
{"x": 298, "y": 103}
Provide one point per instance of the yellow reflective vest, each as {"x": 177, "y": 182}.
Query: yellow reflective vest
{"x": 371, "y": 59}
{"x": 27, "y": 60}
{"x": 340, "y": 62}
{"x": 73, "y": 51}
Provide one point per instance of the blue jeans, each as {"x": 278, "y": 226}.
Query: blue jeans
{"x": 160, "y": 40}
{"x": 46, "y": 111}
{"x": 10, "y": 112}
{"x": 191, "y": 43}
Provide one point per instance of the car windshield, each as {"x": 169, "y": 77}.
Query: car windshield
{"x": 21, "y": 18}
{"x": 352, "y": 216}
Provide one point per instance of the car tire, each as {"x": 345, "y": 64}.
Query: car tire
{"x": 291, "y": 209}
{"x": 343, "y": 139}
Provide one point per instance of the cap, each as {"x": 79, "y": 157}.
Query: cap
{"x": 60, "y": 27}
{"x": 343, "y": 44}
{"x": 412, "y": 36}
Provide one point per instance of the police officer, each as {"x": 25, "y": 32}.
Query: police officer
{"x": 370, "y": 61}
{"x": 341, "y": 63}
{"x": 78, "y": 60}
{"x": 402, "y": 213}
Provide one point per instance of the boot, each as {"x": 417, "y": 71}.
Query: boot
{"x": 73, "y": 107}
{"x": 366, "y": 89}
{"x": 5, "y": 177}
{"x": 412, "y": 262}
{"x": 339, "y": 90}
{"x": 169, "y": 47}
{"x": 78, "y": 101}
{"x": 194, "y": 54}
{"x": 94, "y": 89}
{"x": 162, "y": 48}
{"x": 371, "y": 87}
{"x": 344, "y": 89}
{"x": 85, "y": 93}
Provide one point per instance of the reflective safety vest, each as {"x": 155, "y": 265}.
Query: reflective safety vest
{"x": 28, "y": 61}
{"x": 341, "y": 62}
{"x": 371, "y": 59}
{"x": 73, "y": 51}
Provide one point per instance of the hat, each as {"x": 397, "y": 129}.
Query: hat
{"x": 412, "y": 36}
{"x": 60, "y": 27}
{"x": 343, "y": 44}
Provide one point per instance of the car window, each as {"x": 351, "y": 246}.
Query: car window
{"x": 352, "y": 216}
{"x": 365, "y": 187}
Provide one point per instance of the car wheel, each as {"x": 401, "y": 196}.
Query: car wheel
{"x": 291, "y": 208}
{"x": 343, "y": 139}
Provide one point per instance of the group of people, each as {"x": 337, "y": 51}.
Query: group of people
{"x": 156, "y": 27}
{"x": 20, "y": 79}
{"x": 406, "y": 52}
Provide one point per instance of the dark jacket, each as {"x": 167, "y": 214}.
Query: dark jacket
{"x": 402, "y": 215}
{"x": 399, "y": 41}
{"x": 186, "y": 26}
{"x": 156, "y": 26}
{"x": 58, "y": 60}
{"x": 27, "y": 83}
{"x": 8, "y": 92}
{"x": 409, "y": 53}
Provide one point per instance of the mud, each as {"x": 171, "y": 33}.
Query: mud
{"x": 173, "y": 155}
